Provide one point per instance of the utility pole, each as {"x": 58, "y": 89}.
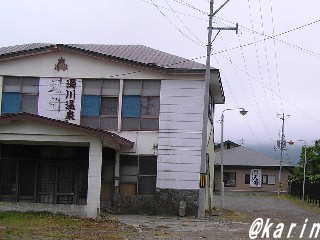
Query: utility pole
{"x": 201, "y": 200}
{"x": 282, "y": 147}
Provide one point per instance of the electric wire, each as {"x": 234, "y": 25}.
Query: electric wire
{"x": 252, "y": 30}
{"x": 195, "y": 37}
{"x": 173, "y": 24}
{"x": 276, "y": 60}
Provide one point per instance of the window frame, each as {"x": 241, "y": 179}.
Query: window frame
{"x": 140, "y": 175}
{"x": 21, "y": 91}
{"x": 235, "y": 179}
{"x": 100, "y": 92}
{"x": 142, "y": 116}
{"x": 265, "y": 179}
{"x": 272, "y": 177}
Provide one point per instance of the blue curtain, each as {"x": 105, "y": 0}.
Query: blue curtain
{"x": 131, "y": 106}
{"x": 91, "y": 105}
{"x": 11, "y": 102}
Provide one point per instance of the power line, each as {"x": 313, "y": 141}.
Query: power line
{"x": 235, "y": 98}
{"x": 184, "y": 25}
{"x": 173, "y": 24}
{"x": 251, "y": 86}
{"x": 273, "y": 37}
{"x": 290, "y": 103}
{"x": 264, "y": 43}
{"x": 276, "y": 56}
{"x": 293, "y": 45}
{"x": 176, "y": 11}
{"x": 220, "y": 51}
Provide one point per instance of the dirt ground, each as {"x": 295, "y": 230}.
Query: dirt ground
{"x": 231, "y": 223}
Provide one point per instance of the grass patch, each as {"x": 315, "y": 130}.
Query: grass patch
{"x": 46, "y": 226}
{"x": 308, "y": 206}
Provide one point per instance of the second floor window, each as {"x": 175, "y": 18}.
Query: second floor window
{"x": 20, "y": 94}
{"x": 100, "y": 103}
{"x": 141, "y": 105}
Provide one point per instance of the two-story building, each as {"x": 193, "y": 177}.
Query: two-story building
{"x": 86, "y": 128}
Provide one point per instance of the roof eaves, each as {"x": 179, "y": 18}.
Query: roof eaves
{"x": 97, "y": 132}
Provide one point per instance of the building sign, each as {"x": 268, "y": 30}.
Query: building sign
{"x": 60, "y": 98}
{"x": 255, "y": 178}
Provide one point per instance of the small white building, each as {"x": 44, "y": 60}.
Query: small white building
{"x": 86, "y": 128}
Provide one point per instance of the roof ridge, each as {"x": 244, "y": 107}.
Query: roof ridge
{"x": 137, "y": 53}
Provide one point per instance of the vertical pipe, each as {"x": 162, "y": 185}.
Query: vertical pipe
{"x": 221, "y": 163}
{"x": 120, "y": 105}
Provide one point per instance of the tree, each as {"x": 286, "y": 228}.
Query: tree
{"x": 313, "y": 163}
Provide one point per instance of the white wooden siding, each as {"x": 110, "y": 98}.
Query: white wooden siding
{"x": 180, "y": 134}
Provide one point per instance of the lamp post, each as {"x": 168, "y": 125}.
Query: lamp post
{"x": 242, "y": 112}
{"x": 304, "y": 164}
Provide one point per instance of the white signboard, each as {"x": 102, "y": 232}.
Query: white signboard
{"x": 60, "y": 98}
{"x": 255, "y": 178}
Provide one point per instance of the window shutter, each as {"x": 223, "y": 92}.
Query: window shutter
{"x": 11, "y": 102}
{"x": 91, "y": 105}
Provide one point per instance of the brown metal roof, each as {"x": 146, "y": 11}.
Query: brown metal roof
{"x": 133, "y": 53}
{"x": 103, "y": 134}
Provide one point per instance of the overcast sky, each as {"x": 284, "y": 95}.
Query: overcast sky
{"x": 267, "y": 78}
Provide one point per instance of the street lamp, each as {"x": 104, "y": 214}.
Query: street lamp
{"x": 304, "y": 164}
{"x": 242, "y": 112}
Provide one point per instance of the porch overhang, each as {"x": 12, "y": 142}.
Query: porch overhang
{"x": 113, "y": 140}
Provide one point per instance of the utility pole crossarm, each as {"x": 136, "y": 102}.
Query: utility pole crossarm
{"x": 226, "y": 28}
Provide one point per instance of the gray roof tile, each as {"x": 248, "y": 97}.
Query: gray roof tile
{"x": 134, "y": 53}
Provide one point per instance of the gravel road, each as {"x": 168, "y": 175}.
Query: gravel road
{"x": 225, "y": 226}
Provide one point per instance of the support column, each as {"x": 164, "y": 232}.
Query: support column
{"x": 94, "y": 179}
{"x": 117, "y": 174}
{"x": 1, "y": 87}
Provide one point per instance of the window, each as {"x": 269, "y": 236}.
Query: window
{"x": 11, "y": 102}
{"x": 131, "y": 106}
{"x": 271, "y": 180}
{"x": 91, "y": 105}
{"x": 100, "y": 103}
{"x": 229, "y": 179}
{"x": 138, "y": 174}
{"x": 147, "y": 174}
{"x": 141, "y": 105}
{"x": 247, "y": 179}
{"x": 20, "y": 94}
{"x": 264, "y": 179}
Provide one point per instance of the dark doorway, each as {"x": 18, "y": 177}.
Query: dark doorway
{"x": 45, "y": 174}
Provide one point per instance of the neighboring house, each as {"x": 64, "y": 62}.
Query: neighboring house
{"x": 248, "y": 170}
{"x": 87, "y": 128}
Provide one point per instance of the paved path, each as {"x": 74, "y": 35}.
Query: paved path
{"x": 222, "y": 227}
